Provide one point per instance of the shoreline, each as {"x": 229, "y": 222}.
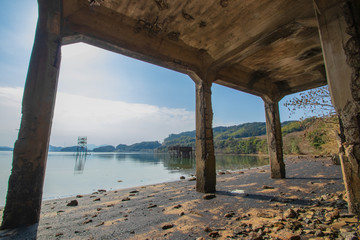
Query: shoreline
{"x": 174, "y": 210}
{"x": 113, "y": 184}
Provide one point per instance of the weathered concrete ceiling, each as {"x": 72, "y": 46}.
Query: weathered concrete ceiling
{"x": 269, "y": 48}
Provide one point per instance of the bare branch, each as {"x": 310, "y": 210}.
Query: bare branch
{"x": 315, "y": 103}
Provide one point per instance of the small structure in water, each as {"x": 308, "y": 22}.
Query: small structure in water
{"x": 81, "y": 154}
{"x": 180, "y": 151}
{"x": 82, "y": 146}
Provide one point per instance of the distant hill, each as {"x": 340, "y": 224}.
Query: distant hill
{"x": 233, "y": 139}
{"x": 107, "y": 148}
{"x": 55, "y": 149}
{"x": 69, "y": 149}
{"x": 138, "y": 147}
{"x": 3, "y": 148}
{"x": 149, "y": 146}
{"x": 90, "y": 147}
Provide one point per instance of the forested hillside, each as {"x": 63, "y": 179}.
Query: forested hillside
{"x": 310, "y": 136}
{"x": 247, "y": 138}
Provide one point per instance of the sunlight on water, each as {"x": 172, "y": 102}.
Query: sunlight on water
{"x": 69, "y": 175}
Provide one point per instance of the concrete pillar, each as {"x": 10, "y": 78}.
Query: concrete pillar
{"x": 205, "y": 157}
{"x": 274, "y": 138}
{"x": 23, "y": 201}
{"x": 339, "y": 27}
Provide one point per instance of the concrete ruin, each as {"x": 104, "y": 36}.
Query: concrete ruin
{"x": 268, "y": 48}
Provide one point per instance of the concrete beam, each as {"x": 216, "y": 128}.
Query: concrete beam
{"x": 245, "y": 80}
{"x": 339, "y": 25}
{"x": 274, "y": 138}
{"x": 25, "y": 188}
{"x": 115, "y": 32}
{"x": 205, "y": 157}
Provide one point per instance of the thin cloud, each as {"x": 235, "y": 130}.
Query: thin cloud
{"x": 103, "y": 121}
{"x": 89, "y": 71}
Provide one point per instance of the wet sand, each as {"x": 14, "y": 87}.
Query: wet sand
{"x": 174, "y": 210}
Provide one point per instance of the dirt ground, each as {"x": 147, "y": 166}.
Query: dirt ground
{"x": 247, "y": 205}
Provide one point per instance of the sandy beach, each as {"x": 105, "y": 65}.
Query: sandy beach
{"x": 247, "y": 205}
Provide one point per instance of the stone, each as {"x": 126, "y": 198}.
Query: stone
{"x": 214, "y": 234}
{"x": 73, "y": 203}
{"x": 307, "y": 221}
{"x": 229, "y": 215}
{"x": 349, "y": 236}
{"x": 255, "y": 236}
{"x": 278, "y": 225}
{"x": 101, "y": 190}
{"x": 100, "y": 224}
{"x": 135, "y": 191}
{"x": 209, "y": 196}
{"x": 350, "y": 220}
{"x": 87, "y": 221}
{"x": 152, "y": 206}
{"x": 97, "y": 199}
{"x": 208, "y": 229}
{"x": 286, "y": 234}
{"x": 167, "y": 226}
{"x": 182, "y": 177}
{"x": 178, "y": 206}
{"x": 79, "y": 196}
{"x": 295, "y": 237}
{"x": 192, "y": 179}
{"x": 296, "y": 225}
{"x": 125, "y": 199}
{"x": 319, "y": 233}
{"x": 290, "y": 213}
{"x": 338, "y": 225}
{"x": 267, "y": 187}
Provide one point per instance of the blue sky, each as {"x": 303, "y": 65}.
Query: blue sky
{"x": 108, "y": 97}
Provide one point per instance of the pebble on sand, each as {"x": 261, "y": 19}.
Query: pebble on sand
{"x": 73, "y": 203}
{"x": 167, "y": 226}
{"x": 209, "y": 196}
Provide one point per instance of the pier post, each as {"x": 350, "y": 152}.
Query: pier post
{"x": 205, "y": 157}
{"x": 339, "y": 27}
{"x": 274, "y": 139}
{"x": 23, "y": 201}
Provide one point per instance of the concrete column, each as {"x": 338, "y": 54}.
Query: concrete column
{"x": 274, "y": 138}
{"x": 339, "y": 27}
{"x": 205, "y": 158}
{"x": 23, "y": 201}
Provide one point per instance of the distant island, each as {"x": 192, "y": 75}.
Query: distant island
{"x": 309, "y": 136}
{"x": 137, "y": 147}
{"x": 2, "y": 148}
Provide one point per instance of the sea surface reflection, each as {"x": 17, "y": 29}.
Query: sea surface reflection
{"x": 68, "y": 174}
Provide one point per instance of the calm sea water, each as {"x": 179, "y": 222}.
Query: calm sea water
{"x": 68, "y": 175}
